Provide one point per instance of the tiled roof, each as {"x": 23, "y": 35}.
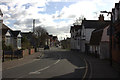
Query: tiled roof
{"x": 96, "y": 37}
{"x": 76, "y": 27}
{"x": 54, "y": 37}
{"x": 50, "y": 35}
{"x": 15, "y": 33}
{"x": 94, "y": 23}
{"x": 27, "y": 34}
{"x": 97, "y": 34}
{"x": 5, "y": 29}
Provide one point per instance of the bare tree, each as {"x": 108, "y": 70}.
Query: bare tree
{"x": 41, "y": 34}
{"x": 79, "y": 20}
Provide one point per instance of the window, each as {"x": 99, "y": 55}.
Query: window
{"x": 19, "y": 43}
{"x": 8, "y": 40}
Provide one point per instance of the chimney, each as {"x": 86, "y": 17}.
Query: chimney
{"x": 33, "y": 25}
{"x": 101, "y": 17}
{"x": 84, "y": 18}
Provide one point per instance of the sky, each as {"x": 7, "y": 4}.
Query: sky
{"x": 56, "y": 16}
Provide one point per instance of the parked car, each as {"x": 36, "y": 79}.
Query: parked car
{"x": 46, "y": 47}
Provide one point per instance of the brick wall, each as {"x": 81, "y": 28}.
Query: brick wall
{"x": 115, "y": 51}
{"x": 32, "y": 51}
{"x": 25, "y": 52}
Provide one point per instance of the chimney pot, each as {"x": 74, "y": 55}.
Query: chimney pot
{"x": 101, "y": 17}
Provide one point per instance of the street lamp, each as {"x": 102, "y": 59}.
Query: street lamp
{"x": 110, "y": 38}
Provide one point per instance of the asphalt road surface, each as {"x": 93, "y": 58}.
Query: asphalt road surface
{"x": 56, "y": 63}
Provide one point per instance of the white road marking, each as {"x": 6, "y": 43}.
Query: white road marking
{"x": 39, "y": 71}
{"x": 35, "y": 72}
{"x": 20, "y": 59}
{"x": 86, "y": 70}
{"x": 56, "y": 62}
{"x": 81, "y": 67}
{"x": 36, "y": 59}
{"x": 44, "y": 68}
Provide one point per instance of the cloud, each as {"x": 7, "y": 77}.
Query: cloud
{"x": 22, "y": 12}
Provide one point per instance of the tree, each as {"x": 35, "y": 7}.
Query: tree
{"x": 25, "y": 43}
{"x": 41, "y": 34}
{"x": 79, "y": 20}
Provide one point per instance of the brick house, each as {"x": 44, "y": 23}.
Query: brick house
{"x": 116, "y": 36}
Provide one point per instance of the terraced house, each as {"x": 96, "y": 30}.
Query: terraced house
{"x": 11, "y": 38}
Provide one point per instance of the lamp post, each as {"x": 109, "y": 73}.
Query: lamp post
{"x": 110, "y": 38}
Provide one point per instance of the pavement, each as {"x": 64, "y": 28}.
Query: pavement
{"x": 21, "y": 61}
{"x": 99, "y": 68}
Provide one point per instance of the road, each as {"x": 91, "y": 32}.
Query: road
{"x": 56, "y": 63}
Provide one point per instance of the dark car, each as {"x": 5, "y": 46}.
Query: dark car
{"x": 46, "y": 47}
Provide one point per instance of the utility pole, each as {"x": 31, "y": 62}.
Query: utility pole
{"x": 110, "y": 38}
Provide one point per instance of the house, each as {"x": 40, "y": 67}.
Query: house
{"x": 51, "y": 40}
{"x": 75, "y": 37}
{"x": 65, "y": 44}
{"x": 55, "y": 41}
{"x": 11, "y": 38}
{"x": 47, "y": 42}
{"x": 116, "y": 37}
{"x": 99, "y": 42}
{"x": 75, "y": 31}
{"x": 88, "y": 26}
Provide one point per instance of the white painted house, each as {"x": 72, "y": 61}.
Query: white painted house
{"x": 75, "y": 36}
{"x": 88, "y": 26}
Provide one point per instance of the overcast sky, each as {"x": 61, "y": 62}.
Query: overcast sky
{"x": 55, "y": 15}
